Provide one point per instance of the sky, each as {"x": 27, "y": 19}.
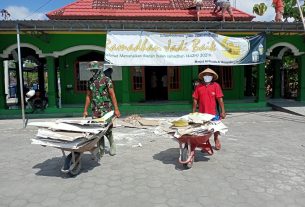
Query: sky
{"x": 31, "y": 9}
{"x": 36, "y": 9}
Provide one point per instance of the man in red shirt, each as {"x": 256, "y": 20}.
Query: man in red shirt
{"x": 279, "y": 9}
{"x": 206, "y": 94}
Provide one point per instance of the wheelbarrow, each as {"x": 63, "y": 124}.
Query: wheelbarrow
{"x": 86, "y": 140}
{"x": 188, "y": 144}
{"x": 72, "y": 161}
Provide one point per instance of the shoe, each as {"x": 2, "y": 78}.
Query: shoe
{"x": 112, "y": 150}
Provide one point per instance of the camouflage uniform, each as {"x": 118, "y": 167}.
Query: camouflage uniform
{"x": 101, "y": 103}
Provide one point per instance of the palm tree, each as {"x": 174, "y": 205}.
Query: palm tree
{"x": 5, "y": 14}
{"x": 260, "y": 9}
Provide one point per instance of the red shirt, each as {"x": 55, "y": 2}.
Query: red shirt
{"x": 206, "y": 96}
{"x": 278, "y": 4}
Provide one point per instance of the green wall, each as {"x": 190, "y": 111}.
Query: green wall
{"x": 297, "y": 40}
{"x": 237, "y": 92}
{"x": 185, "y": 91}
{"x": 50, "y": 42}
{"x": 67, "y": 72}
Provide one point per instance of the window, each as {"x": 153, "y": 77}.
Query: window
{"x": 83, "y": 75}
{"x": 137, "y": 78}
{"x": 81, "y": 84}
{"x": 174, "y": 78}
{"x": 225, "y": 75}
{"x": 226, "y": 78}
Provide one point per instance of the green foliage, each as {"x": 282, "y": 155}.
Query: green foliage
{"x": 289, "y": 62}
{"x": 291, "y": 10}
{"x": 269, "y": 70}
{"x": 260, "y": 9}
{"x": 30, "y": 78}
{"x": 289, "y": 70}
{"x": 29, "y": 64}
{"x": 290, "y": 67}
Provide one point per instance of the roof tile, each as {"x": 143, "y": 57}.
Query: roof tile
{"x": 142, "y": 10}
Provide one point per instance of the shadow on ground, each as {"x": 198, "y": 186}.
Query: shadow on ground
{"x": 171, "y": 156}
{"x": 52, "y": 167}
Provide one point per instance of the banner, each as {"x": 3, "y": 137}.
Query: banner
{"x": 140, "y": 48}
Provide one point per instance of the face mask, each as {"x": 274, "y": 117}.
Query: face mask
{"x": 92, "y": 72}
{"x": 207, "y": 78}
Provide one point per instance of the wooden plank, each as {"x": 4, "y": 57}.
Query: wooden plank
{"x": 68, "y": 127}
{"x": 61, "y": 135}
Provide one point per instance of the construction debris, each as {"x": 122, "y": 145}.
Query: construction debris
{"x": 136, "y": 121}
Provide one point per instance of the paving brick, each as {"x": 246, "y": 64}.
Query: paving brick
{"x": 257, "y": 166}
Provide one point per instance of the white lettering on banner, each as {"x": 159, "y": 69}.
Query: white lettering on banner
{"x": 138, "y": 48}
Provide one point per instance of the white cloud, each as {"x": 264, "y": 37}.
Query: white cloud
{"x": 22, "y": 13}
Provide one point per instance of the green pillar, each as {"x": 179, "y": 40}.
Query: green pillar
{"x": 126, "y": 85}
{"x": 195, "y": 72}
{"x": 2, "y": 91}
{"x": 261, "y": 91}
{"x": 239, "y": 75}
{"x": 277, "y": 78}
{"x": 249, "y": 80}
{"x": 51, "y": 82}
{"x": 301, "y": 76}
{"x": 194, "y": 77}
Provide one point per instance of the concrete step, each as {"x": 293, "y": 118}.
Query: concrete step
{"x": 288, "y": 106}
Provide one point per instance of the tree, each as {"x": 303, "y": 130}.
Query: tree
{"x": 290, "y": 10}
{"x": 260, "y": 9}
{"x": 5, "y": 14}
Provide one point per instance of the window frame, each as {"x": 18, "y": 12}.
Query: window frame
{"x": 76, "y": 78}
{"x": 178, "y": 78}
{"x": 132, "y": 72}
{"x": 220, "y": 71}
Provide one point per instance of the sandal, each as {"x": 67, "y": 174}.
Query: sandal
{"x": 217, "y": 145}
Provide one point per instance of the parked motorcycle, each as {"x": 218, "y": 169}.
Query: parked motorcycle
{"x": 36, "y": 100}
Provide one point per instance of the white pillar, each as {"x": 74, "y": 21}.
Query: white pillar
{"x": 6, "y": 79}
{"x": 301, "y": 14}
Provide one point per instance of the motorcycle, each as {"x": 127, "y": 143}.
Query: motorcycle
{"x": 35, "y": 100}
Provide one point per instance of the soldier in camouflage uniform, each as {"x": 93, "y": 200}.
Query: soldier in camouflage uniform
{"x": 102, "y": 97}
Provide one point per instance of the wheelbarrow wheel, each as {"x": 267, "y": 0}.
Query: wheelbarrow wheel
{"x": 184, "y": 157}
{"x": 69, "y": 161}
{"x": 75, "y": 171}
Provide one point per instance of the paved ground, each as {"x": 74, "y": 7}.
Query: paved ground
{"x": 261, "y": 164}
{"x": 288, "y": 105}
